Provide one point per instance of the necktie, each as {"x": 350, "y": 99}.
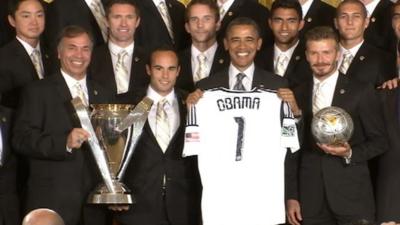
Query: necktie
{"x": 97, "y": 10}
{"x": 239, "y": 84}
{"x": 121, "y": 73}
{"x": 222, "y": 11}
{"x": 318, "y": 98}
{"x": 162, "y": 8}
{"x": 347, "y": 58}
{"x": 81, "y": 93}
{"x": 35, "y": 57}
{"x": 201, "y": 68}
{"x": 162, "y": 125}
{"x": 280, "y": 66}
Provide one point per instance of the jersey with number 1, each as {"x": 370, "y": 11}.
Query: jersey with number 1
{"x": 237, "y": 137}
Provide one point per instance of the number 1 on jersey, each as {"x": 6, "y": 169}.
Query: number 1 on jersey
{"x": 240, "y": 136}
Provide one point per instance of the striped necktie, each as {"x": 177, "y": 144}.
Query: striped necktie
{"x": 201, "y": 68}
{"x": 162, "y": 8}
{"x": 35, "y": 57}
{"x": 121, "y": 73}
{"x": 97, "y": 10}
{"x": 162, "y": 125}
{"x": 239, "y": 82}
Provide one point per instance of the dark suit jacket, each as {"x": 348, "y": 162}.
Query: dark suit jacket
{"x": 152, "y": 31}
{"x": 58, "y": 180}
{"x": 372, "y": 65}
{"x": 319, "y": 14}
{"x": 144, "y": 176}
{"x": 9, "y": 200}
{"x": 388, "y": 182}
{"x": 7, "y": 32}
{"x": 261, "y": 79}
{"x": 347, "y": 189}
{"x": 185, "y": 78}
{"x": 253, "y": 10}
{"x": 16, "y": 71}
{"x": 298, "y": 70}
{"x": 101, "y": 69}
{"x": 379, "y": 31}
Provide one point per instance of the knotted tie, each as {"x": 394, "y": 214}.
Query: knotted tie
{"x": 347, "y": 58}
{"x": 81, "y": 93}
{"x": 35, "y": 57}
{"x": 202, "y": 66}
{"x": 162, "y": 125}
{"x": 121, "y": 72}
{"x": 318, "y": 98}
{"x": 280, "y": 67}
{"x": 239, "y": 84}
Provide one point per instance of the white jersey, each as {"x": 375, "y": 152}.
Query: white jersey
{"x": 237, "y": 137}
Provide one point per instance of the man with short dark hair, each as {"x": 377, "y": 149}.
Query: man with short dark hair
{"x": 48, "y": 133}
{"x": 327, "y": 188}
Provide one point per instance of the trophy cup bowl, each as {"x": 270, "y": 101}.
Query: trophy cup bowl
{"x": 105, "y": 118}
{"x": 332, "y": 125}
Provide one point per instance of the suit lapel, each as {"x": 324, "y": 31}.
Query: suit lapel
{"x": 232, "y": 11}
{"x": 109, "y": 74}
{"x": 219, "y": 60}
{"x": 21, "y": 53}
{"x": 270, "y": 53}
{"x": 358, "y": 59}
{"x": 153, "y": 8}
{"x": 257, "y": 79}
{"x": 341, "y": 91}
{"x": 294, "y": 60}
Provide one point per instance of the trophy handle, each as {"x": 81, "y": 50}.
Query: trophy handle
{"x": 97, "y": 151}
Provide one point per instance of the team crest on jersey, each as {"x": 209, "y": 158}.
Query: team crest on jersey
{"x": 288, "y": 130}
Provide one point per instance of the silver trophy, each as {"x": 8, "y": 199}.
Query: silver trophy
{"x": 114, "y": 131}
{"x": 332, "y": 125}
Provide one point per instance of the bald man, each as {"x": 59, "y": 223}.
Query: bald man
{"x": 43, "y": 217}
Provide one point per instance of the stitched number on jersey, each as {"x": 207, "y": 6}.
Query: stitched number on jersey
{"x": 240, "y": 137}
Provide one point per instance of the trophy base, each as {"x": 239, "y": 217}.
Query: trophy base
{"x": 101, "y": 195}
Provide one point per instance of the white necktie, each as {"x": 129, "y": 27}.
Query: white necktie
{"x": 121, "y": 73}
{"x": 347, "y": 58}
{"x": 162, "y": 8}
{"x": 280, "y": 66}
{"x": 37, "y": 63}
{"x": 162, "y": 125}
{"x": 201, "y": 68}
{"x": 97, "y": 10}
{"x": 318, "y": 98}
{"x": 81, "y": 93}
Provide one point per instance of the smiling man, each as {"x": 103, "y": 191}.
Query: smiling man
{"x": 119, "y": 65}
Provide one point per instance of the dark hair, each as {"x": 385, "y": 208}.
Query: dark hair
{"x": 356, "y": 2}
{"x": 322, "y": 33}
{"x": 242, "y": 21}
{"x": 287, "y": 4}
{"x": 396, "y": 4}
{"x": 13, "y": 6}
{"x": 71, "y": 32}
{"x": 127, "y": 2}
{"x": 210, "y": 3}
{"x": 163, "y": 48}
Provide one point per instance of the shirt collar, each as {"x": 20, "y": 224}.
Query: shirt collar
{"x": 330, "y": 80}
{"x": 288, "y": 53}
{"x": 371, "y": 6}
{"x": 352, "y": 50}
{"x": 157, "y": 2}
{"x": 153, "y": 95}
{"x": 72, "y": 81}
{"x": 249, "y": 72}
{"x": 29, "y": 49}
{"x": 115, "y": 49}
{"x": 226, "y": 5}
{"x": 209, "y": 53}
{"x": 305, "y": 7}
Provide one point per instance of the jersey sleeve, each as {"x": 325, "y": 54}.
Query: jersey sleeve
{"x": 192, "y": 143}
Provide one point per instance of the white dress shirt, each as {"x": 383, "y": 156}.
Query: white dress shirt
{"x": 172, "y": 110}
{"x": 247, "y": 81}
{"x": 371, "y": 7}
{"x": 305, "y": 7}
{"x": 224, "y": 7}
{"x": 209, "y": 53}
{"x": 71, "y": 82}
{"x": 288, "y": 53}
{"x": 326, "y": 88}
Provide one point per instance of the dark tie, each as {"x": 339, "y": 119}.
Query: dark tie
{"x": 239, "y": 84}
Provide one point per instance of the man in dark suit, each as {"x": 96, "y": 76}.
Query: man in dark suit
{"x": 286, "y": 57}
{"x": 333, "y": 184}
{"x": 156, "y": 30}
{"x": 119, "y": 65}
{"x": 9, "y": 199}
{"x": 205, "y": 56}
{"x": 166, "y": 186}
{"x": 396, "y": 27}
{"x": 231, "y": 9}
{"x": 358, "y": 59}
{"x": 24, "y": 59}
{"x": 379, "y": 32}
{"x": 48, "y": 134}
{"x": 387, "y": 183}
{"x": 316, "y": 13}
